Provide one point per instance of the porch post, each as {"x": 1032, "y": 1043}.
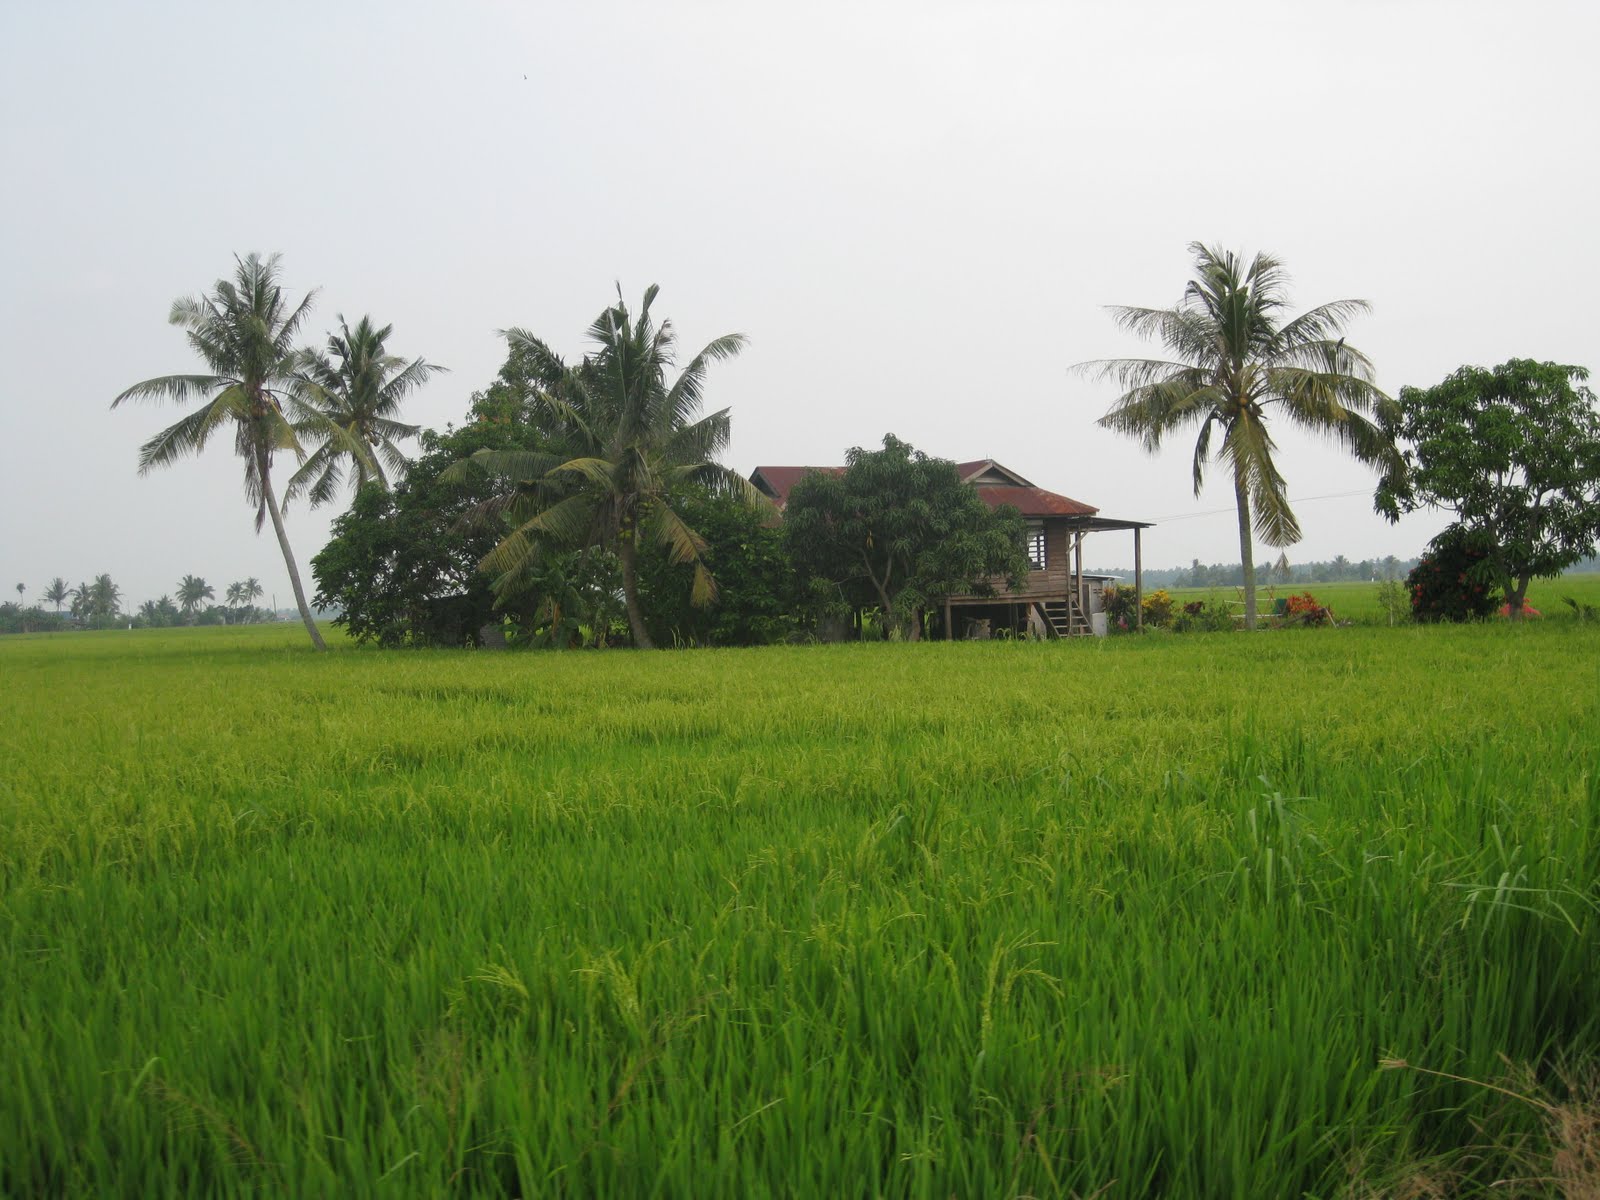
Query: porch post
{"x": 949, "y": 629}
{"x": 1077, "y": 586}
{"x": 1138, "y": 581}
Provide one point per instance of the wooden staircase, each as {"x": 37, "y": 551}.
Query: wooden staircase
{"x": 1065, "y": 618}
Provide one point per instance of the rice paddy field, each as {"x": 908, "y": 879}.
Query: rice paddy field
{"x": 1153, "y": 916}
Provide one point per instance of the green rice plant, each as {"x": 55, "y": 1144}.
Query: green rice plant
{"x": 1139, "y": 916}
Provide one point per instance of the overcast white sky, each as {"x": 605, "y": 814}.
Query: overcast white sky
{"x": 916, "y": 212}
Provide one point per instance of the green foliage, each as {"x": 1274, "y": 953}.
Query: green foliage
{"x": 244, "y": 330}
{"x": 403, "y": 566}
{"x": 1121, "y": 606}
{"x": 1394, "y": 600}
{"x": 899, "y": 530}
{"x": 1202, "y": 616}
{"x": 756, "y": 590}
{"x": 1233, "y": 362}
{"x": 1453, "y": 581}
{"x": 18, "y": 618}
{"x": 357, "y": 387}
{"x": 192, "y": 590}
{"x": 982, "y": 919}
{"x": 1514, "y": 453}
{"x": 623, "y": 442}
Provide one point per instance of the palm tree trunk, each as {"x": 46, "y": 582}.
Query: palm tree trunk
{"x": 626, "y": 551}
{"x": 1247, "y": 557}
{"x": 288, "y": 554}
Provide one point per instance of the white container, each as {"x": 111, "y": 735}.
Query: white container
{"x": 1097, "y": 624}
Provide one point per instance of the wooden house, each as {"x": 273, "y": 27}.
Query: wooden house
{"x": 1056, "y": 598}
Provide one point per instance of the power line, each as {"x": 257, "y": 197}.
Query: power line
{"x": 1212, "y": 512}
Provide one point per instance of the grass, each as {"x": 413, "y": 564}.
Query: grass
{"x": 1358, "y": 602}
{"x": 1130, "y": 917}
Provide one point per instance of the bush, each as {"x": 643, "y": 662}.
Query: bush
{"x": 1118, "y": 605}
{"x": 1451, "y": 581}
{"x": 1306, "y": 609}
{"x": 1199, "y": 617}
{"x": 1158, "y": 607}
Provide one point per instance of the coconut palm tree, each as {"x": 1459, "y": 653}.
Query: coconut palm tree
{"x": 244, "y": 330}
{"x": 191, "y": 591}
{"x": 1235, "y": 362}
{"x": 629, "y": 440}
{"x": 57, "y": 592}
{"x": 82, "y": 597}
{"x": 105, "y": 598}
{"x": 358, "y": 387}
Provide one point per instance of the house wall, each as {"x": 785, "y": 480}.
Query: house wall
{"x": 1052, "y": 583}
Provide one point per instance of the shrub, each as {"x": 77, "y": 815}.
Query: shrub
{"x": 1158, "y": 607}
{"x": 1393, "y": 599}
{"x": 1200, "y": 617}
{"x": 1306, "y": 609}
{"x": 1118, "y": 605}
{"x": 1450, "y": 581}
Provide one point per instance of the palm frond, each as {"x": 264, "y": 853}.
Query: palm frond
{"x": 687, "y": 393}
{"x": 180, "y": 388}
{"x": 190, "y": 435}
{"x": 1151, "y": 412}
{"x": 1249, "y": 448}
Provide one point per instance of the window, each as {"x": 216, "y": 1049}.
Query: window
{"x": 1036, "y": 545}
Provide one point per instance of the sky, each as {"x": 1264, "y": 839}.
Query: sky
{"x": 917, "y": 213}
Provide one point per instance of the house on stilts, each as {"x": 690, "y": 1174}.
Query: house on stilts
{"x": 1056, "y": 598}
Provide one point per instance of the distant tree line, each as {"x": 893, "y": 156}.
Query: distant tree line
{"x": 99, "y": 605}
{"x": 1338, "y": 569}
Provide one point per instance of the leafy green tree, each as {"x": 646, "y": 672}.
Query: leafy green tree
{"x": 105, "y": 599}
{"x": 899, "y": 530}
{"x": 1514, "y": 452}
{"x": 756, "y": 601}
{"x": 359, "y": 388}
{"x": 244, "y": 330}
{"x": 57, "y": 592}
{"x": 628, "y": 441}
{"x": 1450, "y": 581}
{"x": 192, "y": 590}
{"x": 1235, "y": 362}
{"x": 402, "y": 566}
{"x": 82, "y": 598}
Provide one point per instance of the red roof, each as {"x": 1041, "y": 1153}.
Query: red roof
{"x": 778, "y": 482}
{"x": 1030, "y": 501}
{"x": 1035, "y": 501}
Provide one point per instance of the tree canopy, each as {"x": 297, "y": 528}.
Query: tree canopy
{"x": 1234, "y": 361}
{"x": 358, "y": 386}
{"x": 244, "y": 331}
{"x": 1514, "y": 452}
{"x": 624, "y": 441}
{"x": 898, "y": 530}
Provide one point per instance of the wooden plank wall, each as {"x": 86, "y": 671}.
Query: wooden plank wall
{"x": 1052, "y": 583}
